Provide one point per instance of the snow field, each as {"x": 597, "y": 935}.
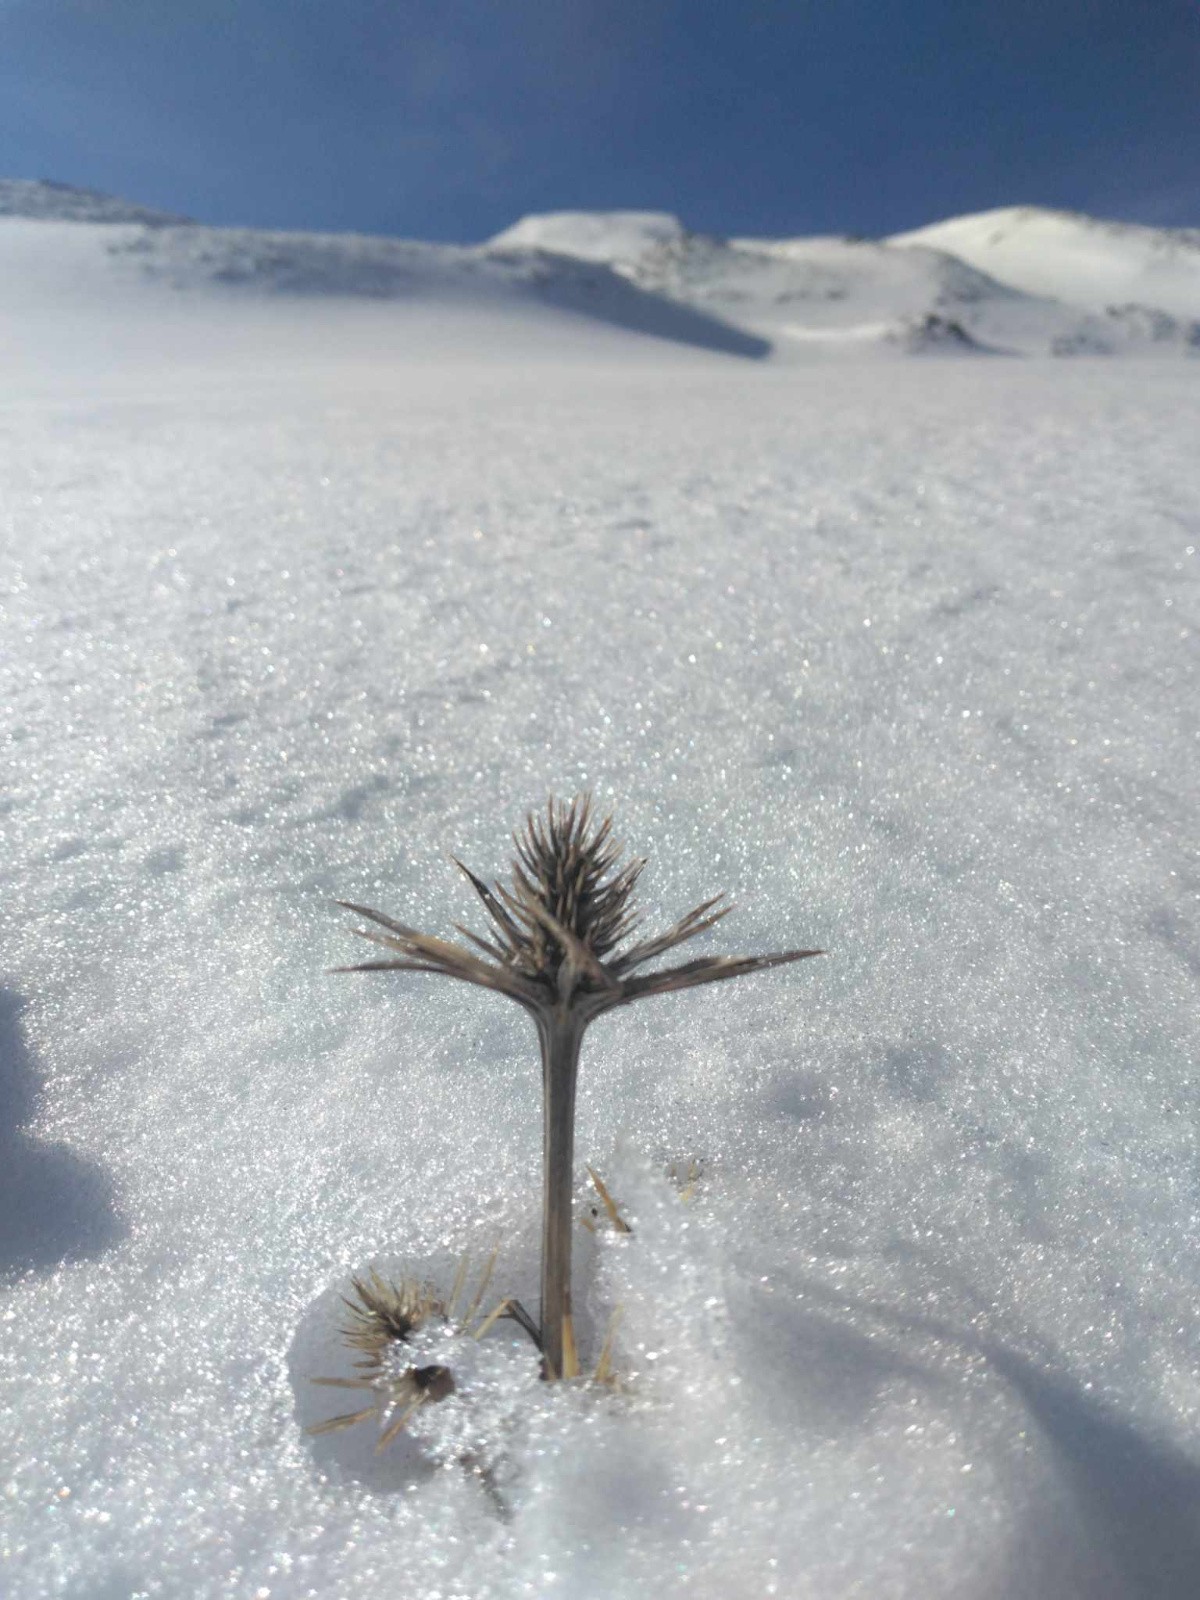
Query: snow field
{"x": 902, "y": 655}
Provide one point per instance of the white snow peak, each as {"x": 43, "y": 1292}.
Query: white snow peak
{"x": 1076, "y": 259}
{"x": 617, "y": 237}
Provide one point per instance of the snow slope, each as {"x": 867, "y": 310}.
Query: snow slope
{"x": 300, "y": 593}
{"x": 835, "y": 294}
{"x": 1077, "y": 259}
{"x": 71, "y": 259}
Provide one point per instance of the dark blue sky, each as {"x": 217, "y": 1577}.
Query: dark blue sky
{"x": 449, "y": 119}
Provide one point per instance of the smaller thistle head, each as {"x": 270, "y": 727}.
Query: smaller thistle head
{"x": 384, "y": 1314}
{"x": 384, "y": 1317}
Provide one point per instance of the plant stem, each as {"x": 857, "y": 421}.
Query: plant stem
{"x": 560, "y": 1033}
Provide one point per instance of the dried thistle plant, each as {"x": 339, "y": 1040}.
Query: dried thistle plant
{"x": 553, "y": 946}
{"x": 384, "y": 1316}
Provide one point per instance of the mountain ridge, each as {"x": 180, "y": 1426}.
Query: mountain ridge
{"x": 46, "y": 199}
{"x": 1020, "y": 280}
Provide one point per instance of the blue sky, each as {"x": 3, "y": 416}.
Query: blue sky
{"x": 449, "y": 119}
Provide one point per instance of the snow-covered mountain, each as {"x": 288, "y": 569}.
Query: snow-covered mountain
{"x": 1022, "y": 283}
{"x": 830, "y": 293}
{"x": 1076, "y": 259}
{"x": 63, "y": 249}
{"x": 826, "y": 291}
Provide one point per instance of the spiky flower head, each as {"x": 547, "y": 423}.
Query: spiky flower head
{"x": 558, "y": 926}
{"x": 569, "y": 867}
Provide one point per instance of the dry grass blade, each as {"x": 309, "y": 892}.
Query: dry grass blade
{"x": 481, "y": 1290}
{"x": 610, "y": 1205}
{"x": 500, "y": 1309}
{"x": 460, "y": 1279}
{"x": 604, "y": 1372}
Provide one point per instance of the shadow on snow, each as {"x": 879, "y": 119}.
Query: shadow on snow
{"x": 55, "y": 1205}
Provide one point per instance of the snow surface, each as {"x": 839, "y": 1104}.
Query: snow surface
{"x": 54, "y": 272}
{"x": 302, "y": 593}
